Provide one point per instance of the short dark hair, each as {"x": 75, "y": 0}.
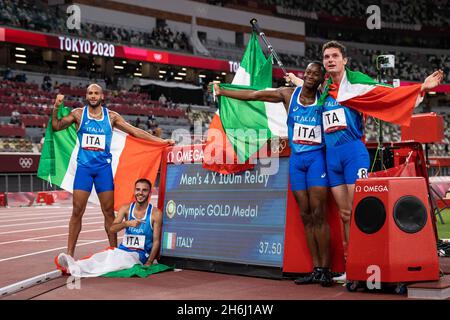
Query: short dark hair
{"x": 143, "y": 180}
{"x": 337, "y": 45}
{"x": 320, "y": 64}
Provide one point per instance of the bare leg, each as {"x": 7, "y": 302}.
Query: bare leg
{"x": 317, "y": 201}
{"x": 80, "y": 198}
{"x": 344, "y": 202}
{"x": 301, "y": 196}
{"x": 107, "y": 203}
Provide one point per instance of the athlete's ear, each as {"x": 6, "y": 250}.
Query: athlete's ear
{"x": 345, "y": 61}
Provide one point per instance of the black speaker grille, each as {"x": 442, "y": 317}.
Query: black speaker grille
{"x": 410, "y": 214}
{"x": 370, "y": 215}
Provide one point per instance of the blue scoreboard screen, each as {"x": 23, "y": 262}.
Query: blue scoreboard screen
{"x": 236, "y": 218}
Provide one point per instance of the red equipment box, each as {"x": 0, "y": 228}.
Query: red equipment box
{"x": 392, "y": 228}
{"x": 425, "y": 128}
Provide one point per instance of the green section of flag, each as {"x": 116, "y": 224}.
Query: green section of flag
{"x": 255, "y": 63}
{"x": 57, "y": 150}
{"x": 138, "y": 271}
{"x": 245, "y": 122}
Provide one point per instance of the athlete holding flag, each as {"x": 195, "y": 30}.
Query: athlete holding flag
{"x": 307, "y": 170}
{"x": 94, "y": 124}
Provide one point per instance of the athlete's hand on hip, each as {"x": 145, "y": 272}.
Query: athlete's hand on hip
{"x": 433, "y": 80}
{"x": 59, "y": 99}
{"x": 133, "y": 223}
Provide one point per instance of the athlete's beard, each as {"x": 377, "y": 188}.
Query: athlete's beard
{"x": 99, "y": 103}
{"x": 141, "y": 202}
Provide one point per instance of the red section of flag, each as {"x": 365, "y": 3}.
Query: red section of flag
{"x": 393, "y": 105}
{"x": 139, "y": 159}
{"x": 219, "y": 154}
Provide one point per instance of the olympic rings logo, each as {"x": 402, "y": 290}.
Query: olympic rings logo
{"x": 278, "y": 145}
{"x": 25, "y": 163}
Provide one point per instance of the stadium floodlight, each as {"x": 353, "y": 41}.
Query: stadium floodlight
{"x": 224, "y": 73}
{"x": 181, "y": 73}
{"x": 138, "y": 74}
{"x": 21, "y": 61}
{"x": 71, "y": 67}
{"x": 184, "y": 69}
{"x": 178, "y": 78}
{"x": 72, "y": 61}
{"x": 20, "y": 56}
{"x": 202, "y": 76}
{"x": 162, "y": 71}
{"x": 20, "y": 49}
{"x": 118, "y": 67}
{"x": 75, "y": 56}
{"x": 124, "y": 62}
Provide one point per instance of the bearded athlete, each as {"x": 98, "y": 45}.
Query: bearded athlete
{"x": 94, "y": 124}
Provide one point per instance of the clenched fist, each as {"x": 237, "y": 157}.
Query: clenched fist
{"x": 59, "y": 99}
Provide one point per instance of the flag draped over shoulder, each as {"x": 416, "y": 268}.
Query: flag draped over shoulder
{"x": 132, "y": 159}
{"x": 247, "y": 124}
{"x": 360, "y": 92}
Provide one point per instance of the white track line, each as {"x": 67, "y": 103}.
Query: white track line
{"x": 4, "y": 210}
{"x": 54, "y": 249}
{"x": 46, "y": 216}
{"x": 46, "y": 228}
{"x": 40, "y": 222}
{"x": 49, "y": 250}
{"x": 44, "y": 237}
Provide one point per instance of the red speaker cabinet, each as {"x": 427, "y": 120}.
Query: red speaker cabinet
{"x": 391, "y": 231}
{"x": 425, "y": 128}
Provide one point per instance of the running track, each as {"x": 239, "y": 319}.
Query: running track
{"x": 30, "y": 238}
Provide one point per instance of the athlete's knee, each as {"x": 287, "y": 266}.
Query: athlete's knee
{"x": 345, "y": 215}
{"x": 108, "y": 209}
{"x": 319, "y": 216}
{"x": 78, "y": 211}
{"x": 307, "y": 219}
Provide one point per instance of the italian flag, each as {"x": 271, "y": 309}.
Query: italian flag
{"x": 360, "y": 92}
{"x": 132, "y": 159}
{"x": 169, "y": 240}
{"x": 245, "y": 126}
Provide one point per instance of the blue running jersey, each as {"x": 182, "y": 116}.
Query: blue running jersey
{"x": 139, "y": 239}
{"x": 340, "y": 124}
{"x": 94, "y": 138}
{"x": 304, "y": 124}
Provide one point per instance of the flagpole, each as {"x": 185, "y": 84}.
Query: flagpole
{"x": 256, "y": 27}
